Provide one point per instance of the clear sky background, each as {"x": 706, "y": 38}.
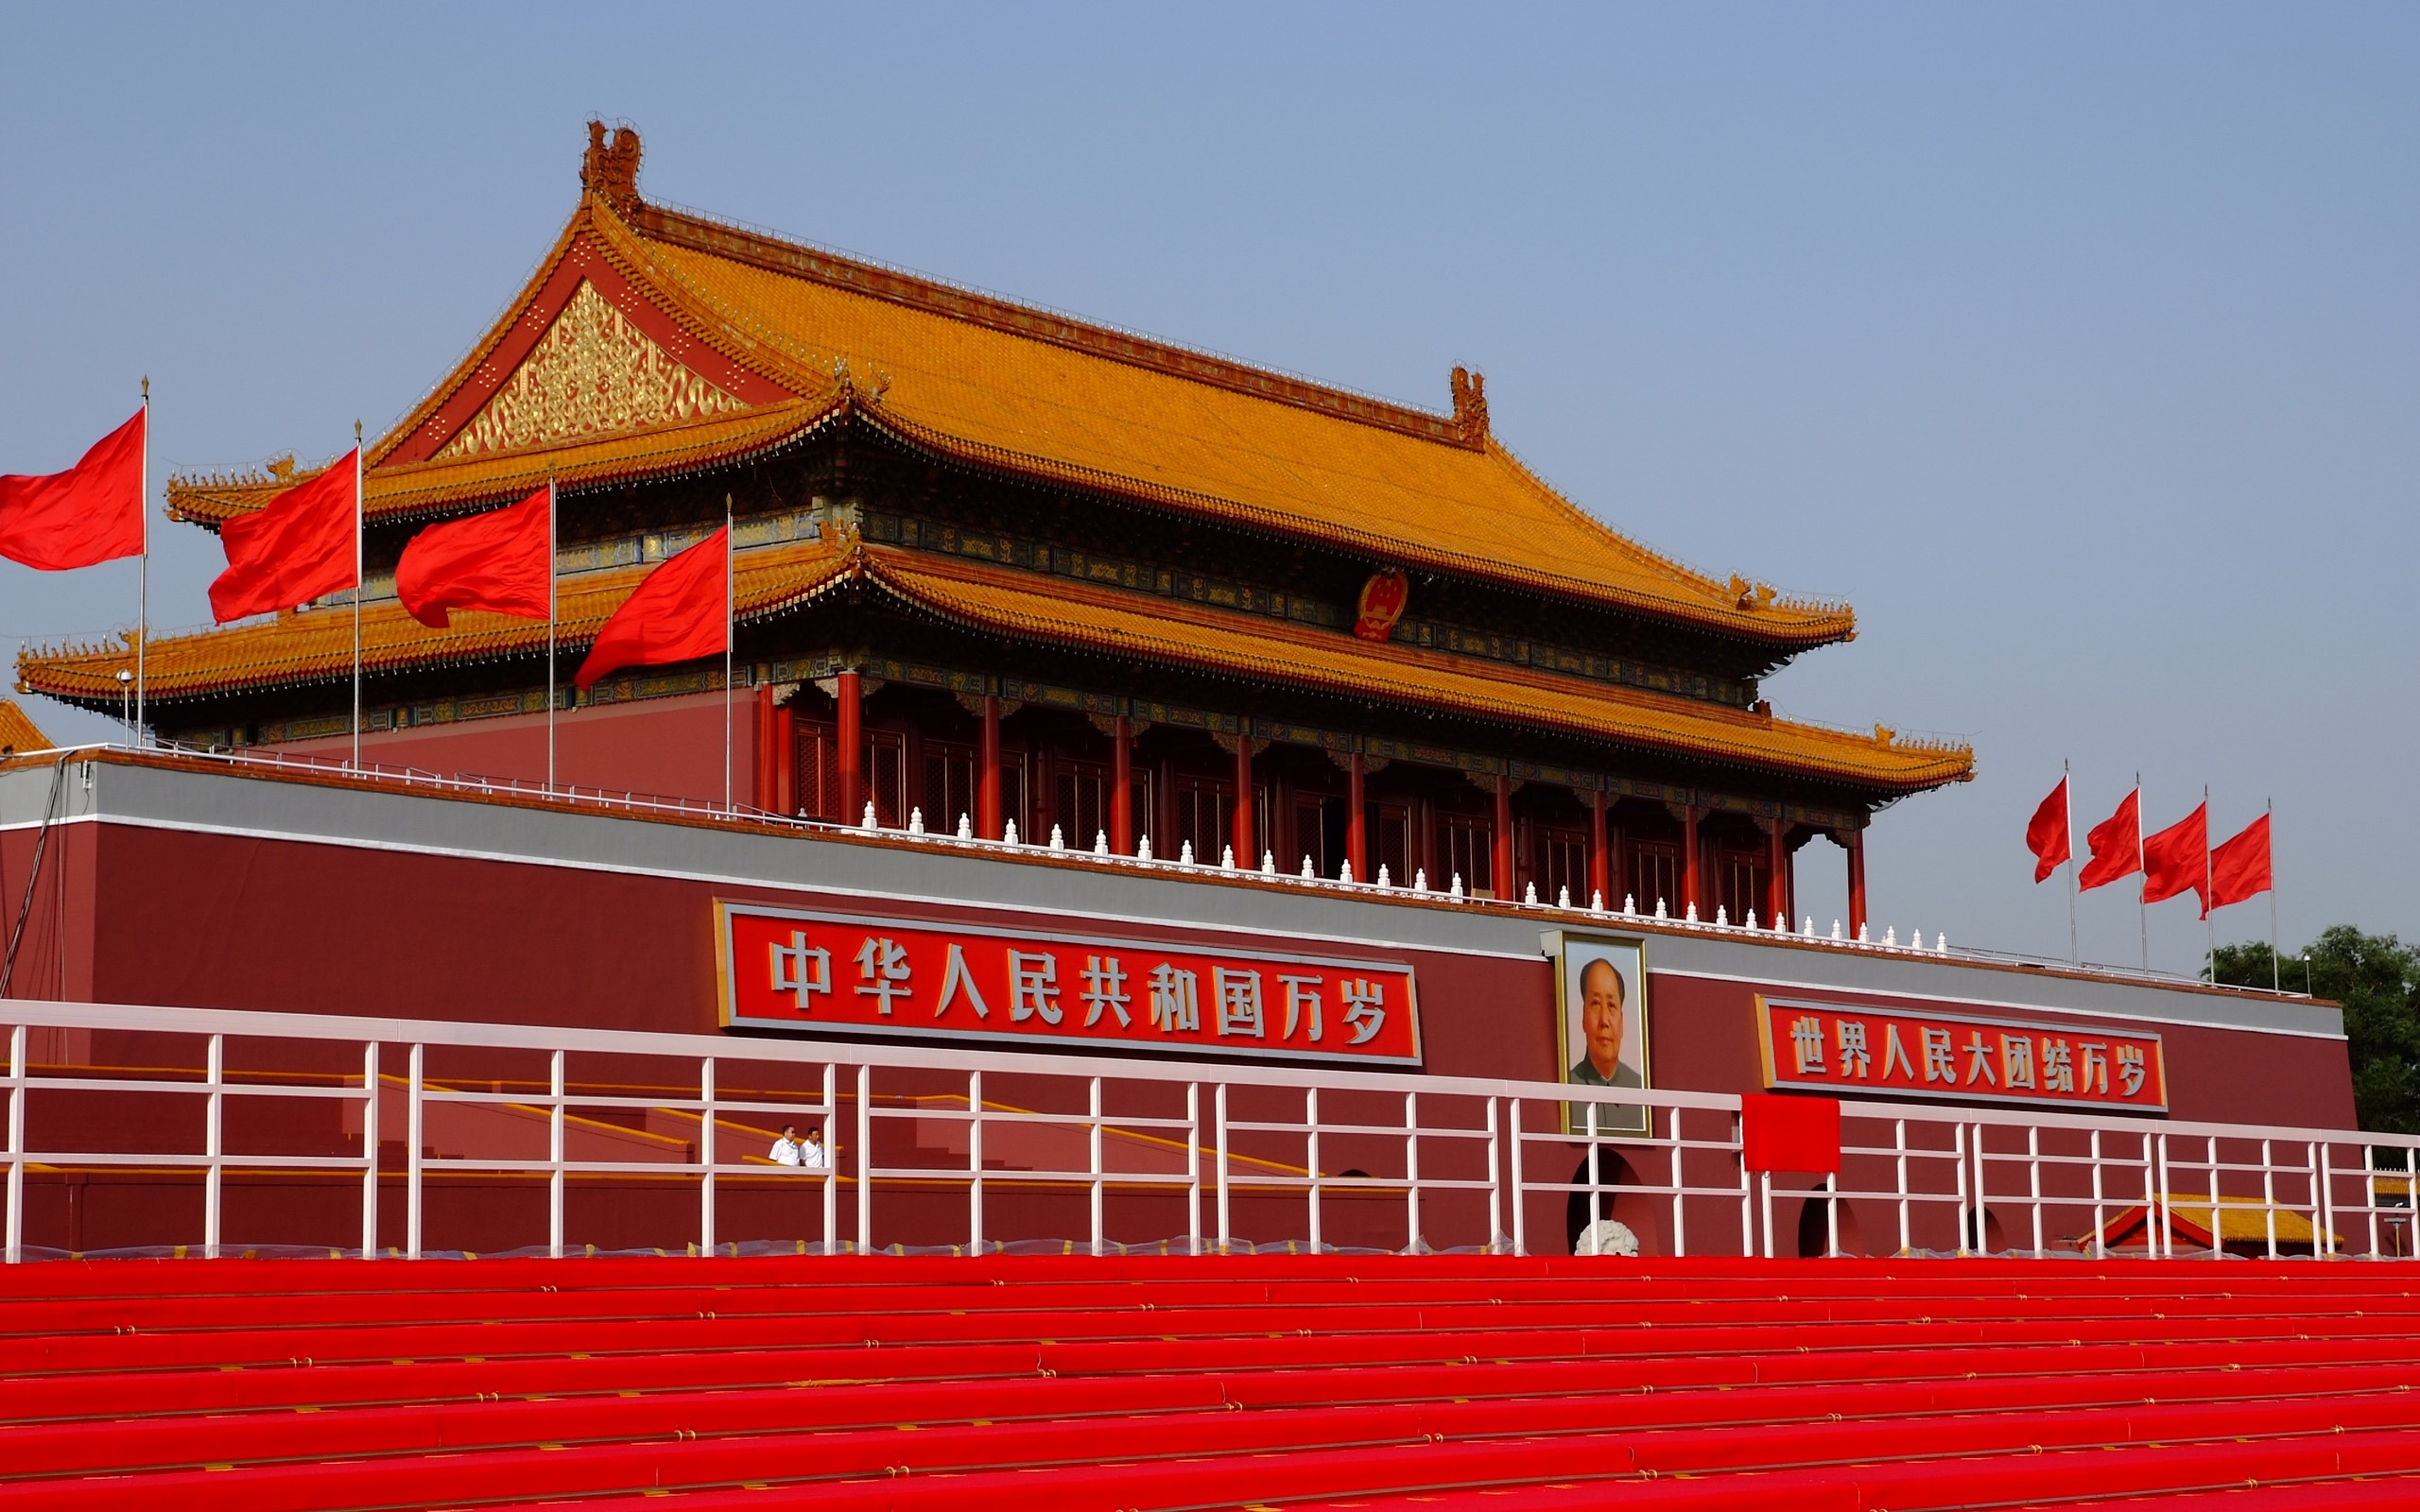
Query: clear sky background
{"x": 2074, "y": 345}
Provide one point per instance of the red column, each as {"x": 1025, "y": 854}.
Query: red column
{"x": 1121, "y": 784}
{"x": 763, "y": 787}
{"x": 1245, "y": 855}
{"x": 1856, "y": 882}
{"x": 851, "y": 740}
{"x": 1777, "y": 876}
{"x": 1503, "y": 877}
{"x": 1692, "y": 873}
{"x": 1357, "y": 833}
{"x": 987, "y": 781}
{"x": 1600, "y": 860}
{"x": 786, "y": 758}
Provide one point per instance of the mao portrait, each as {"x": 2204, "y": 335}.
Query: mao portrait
{"x": 1602, "y": 987}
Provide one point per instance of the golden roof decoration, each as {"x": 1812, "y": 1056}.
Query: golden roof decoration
{"x": 784, "y": 326}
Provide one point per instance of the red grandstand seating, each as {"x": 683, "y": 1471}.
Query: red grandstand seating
{"x": 1074, "y": 1382}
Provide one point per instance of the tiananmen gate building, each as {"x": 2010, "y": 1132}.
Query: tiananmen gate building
{"x": 1089, "y": 695}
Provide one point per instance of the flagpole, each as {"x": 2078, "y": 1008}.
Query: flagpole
{"x": 142, "y": 589}
{"x": 2066, "y": 786}
{"x": 729, "y": 626}
{"x": 551, "y": 632}
{"x": 2208, "y": 924}
{"x": 2142, "y": 883}
{"x": 2269, "y": 807}
{"x": 356, "y": 595}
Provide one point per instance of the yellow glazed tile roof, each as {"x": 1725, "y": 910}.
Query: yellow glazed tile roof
{"x": 18, "y": 731}
{"x": 1060, "y": 403}
{"x": 316, "y": 645}
{"x": 406, "y": 490}
{"x": 1015, "y": 388}
{"x": 1017, "y": 604}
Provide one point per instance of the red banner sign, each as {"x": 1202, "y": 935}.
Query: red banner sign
{"x": 845, "y": 973}
{"x": 1852, "y": 1051}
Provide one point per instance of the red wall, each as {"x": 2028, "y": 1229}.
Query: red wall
{"x": 671, "y": 747}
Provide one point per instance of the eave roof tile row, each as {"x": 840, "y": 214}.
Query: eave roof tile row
{"x": 315, "y": 646}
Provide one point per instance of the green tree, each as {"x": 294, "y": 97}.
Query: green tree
{"x": 2376, "y": 977}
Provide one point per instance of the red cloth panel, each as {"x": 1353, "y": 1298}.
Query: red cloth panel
{"x": 682, "y": 610}
{"x": 2116, "y": 844}
{"x": 2046, "y": 834}
{"x": 2177, "y": 860}
{"x": 2240, "y": 868}
{"x": 303, "y": 544}
{"x": 502, "y": 561}
{"x": 92, "y": 513}
{"x": 1789, "y": 1133}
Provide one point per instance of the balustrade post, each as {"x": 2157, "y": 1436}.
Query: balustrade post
{"x": 1311, "y": 1122}
{"x": 1098, "y": 1175}
{"x": 556, "y": 1151}
{"x": 1520, "y": 1186}
{"x": 1411, "y": 1172}
{"x": 214, "y": 1147}
{"x": 1747, "y": 1190}
{"x": 1226, "y": 1233}
{"x": 16, "y": 1237}
{"x": 974, "y": 1162}
{"x": 2033, "y": 1182}
{"x": 370, "y": 1151}
{"x": 1680, "y": 1201}
{"x": 1193, "y": 1167}
{"x": 1899, "y": 1144}
{"x": 2268, "y": 1195}
{"x": 415, "y": 1123}
{"x": 831, "y": 1157}
{"x": 1495, "y": 1174}
{"x": 865, "y": 1158}
{"x": 706, "y": 1155}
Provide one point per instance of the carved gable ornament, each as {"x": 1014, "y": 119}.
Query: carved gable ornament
{"x": 593, "y": 373}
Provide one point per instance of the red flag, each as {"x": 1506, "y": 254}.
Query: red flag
{"x": 2239, "y": 869}
{"x": 92, "y": 513}
{"x": 2116, "y": 844}
{"x": 2177, "y": 860}
{"x": 302, "y": 545}
{"x": 682, "y": 610}
{"x": 499, "y": 561}
{"x": 2046, "y": 834}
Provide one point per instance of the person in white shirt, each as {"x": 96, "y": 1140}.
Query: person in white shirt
{"x": 808, "y": 1154}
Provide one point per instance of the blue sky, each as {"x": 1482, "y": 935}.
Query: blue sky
{"x": 2075, "y": 345}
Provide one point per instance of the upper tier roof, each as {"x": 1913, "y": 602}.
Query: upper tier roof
{"x": 651, "y": 341}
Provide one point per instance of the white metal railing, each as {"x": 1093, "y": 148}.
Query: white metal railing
{"x": 1250, "y": 1155}
{"x": 1628, "y": 912}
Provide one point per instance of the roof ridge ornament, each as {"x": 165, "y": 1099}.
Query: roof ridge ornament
{"x": 610, "y": 169}
{"x": 1470, "y": 405}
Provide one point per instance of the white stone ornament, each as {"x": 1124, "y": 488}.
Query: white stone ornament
{"x": 1563, "y": 898}
{"x": 915, "y": 822}
{"x": 1009, "y": 836}
{"x": 1268, "y": 862}
{"x": 1058, "y": 841}
{"x": 1101, "y": 842}
{"x": 1693, "y": 914}
{"x": 1607, "y": 1236}
{"x": 965, "y": 828}
{"x": 1420, "y": 878}
{"x": 1457, "y": 886}
{"x": 869, "y": 822}
{"x": 1530, "y": 895}
{"x": 1596, "y": 902}
{"x": 1384, "y": 881}
{"x": 1143, "y": 851}
{"x": 1309, "y": 875}
{"x": 1345, "y": 875}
